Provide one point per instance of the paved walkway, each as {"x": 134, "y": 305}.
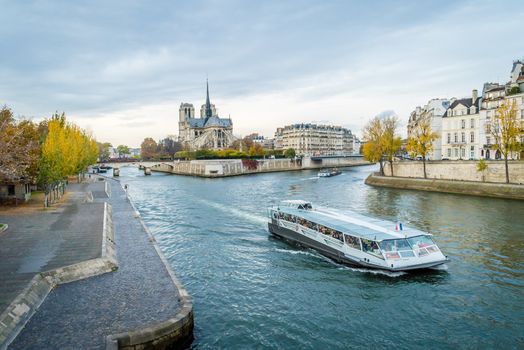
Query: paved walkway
{"x": 79, "y": 315}
{"x": 46, "y": 240}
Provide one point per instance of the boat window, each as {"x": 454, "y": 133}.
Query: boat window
{"x": 305, "y": 223}
{"x": 288, "y": 217}
{"x": 371, "y": 247}
{"x": 337, "y": 235}
{"x": 418, "y": 242}
{"x": 353, "y": 242}
{"x": 396, "y": 248}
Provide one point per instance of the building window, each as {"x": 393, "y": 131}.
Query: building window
{"x": 449, "y": 137}
{"x": 456, "y": 152}
{"x": 449, "y": 152}
{"x": 472, "y": 152}
{"x": 456, "y": 137}
{"x": 463, "y": 152}
{"x": 463, "y": 123}
{"x": 488, "y": 140}
{"x": 10, "y": 190}
{"x": 463, "y": 137}
{"x": 472, "y": 123}
{"x": 472, "y": 137}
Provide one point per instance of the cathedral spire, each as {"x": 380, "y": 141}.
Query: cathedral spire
{"x": 209, "y": 111}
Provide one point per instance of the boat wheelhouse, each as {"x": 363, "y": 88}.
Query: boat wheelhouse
{"x": 354, "y": 239}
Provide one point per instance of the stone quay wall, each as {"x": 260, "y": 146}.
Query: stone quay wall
{"x": 459, "y": 170}
{"x": 474, "y": 188}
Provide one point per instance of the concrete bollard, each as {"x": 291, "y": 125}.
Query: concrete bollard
{"x": 116, "y": 172}
{"x": 147, "y": 171}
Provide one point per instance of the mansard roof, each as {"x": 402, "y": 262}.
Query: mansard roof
{"x": 467, "y": 102}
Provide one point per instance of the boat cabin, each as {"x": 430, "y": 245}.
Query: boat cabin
{"x": 365, "y": 234}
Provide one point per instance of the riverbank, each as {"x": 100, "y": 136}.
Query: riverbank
{"x": 473, "y": 188}
{"x": 135, "y": 303}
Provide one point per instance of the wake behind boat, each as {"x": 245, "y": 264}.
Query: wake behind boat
{"x": 354, "y": 239}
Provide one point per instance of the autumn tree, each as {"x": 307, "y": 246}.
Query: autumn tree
{"x": 19, "y": 148}
{"x": 391, "y": 142}
{"x": 505, "y": 130}
{"x": 373, "y": 149}
{"x": 66, "y": 150}
{"x": 420, "y": 143}
{"x": 148, "y": 148}
{"x": 256, "y": 150}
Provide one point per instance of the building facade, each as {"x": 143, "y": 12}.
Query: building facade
{"x": 314, "y": 140}
{"x": 434, "y": 110}
{"x": 464, "y": 124}
{"x": 460, "y": 129}
{"x": 208, "y": 131}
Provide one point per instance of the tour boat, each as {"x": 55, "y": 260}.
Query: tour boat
{"x": 354, "y": 239}
{"x": 329, "y": 173}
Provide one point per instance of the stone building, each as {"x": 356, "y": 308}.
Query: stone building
{"x": 464, "y": 124}
{"x": 207, "y": 131}
{"x": 312, "y": 139}
{"x": 460, "y": 129}
{"x": 433, "y": 110}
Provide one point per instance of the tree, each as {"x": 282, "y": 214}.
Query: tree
{"x": 373, "y": 149}
{"x": 19, "y": 148}
{"x": 122, "y": 150}
{"x": 420, "y": 143}
{"x": 148, "y": 148}
{"x": 256, "y": 150}
{"x": 505, "y": 129}
{"x": 66, "y": 150}
{"x": 168, "y": 147}
{"x": 482, "y": 166}
{"x": 391, "y": 142}
{"x": 290, "y": 153}
{"x": 103, "y": 151}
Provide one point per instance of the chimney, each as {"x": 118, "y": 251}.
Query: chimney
{"x": 418, "y": 110}
{"x": 474, "y": 96}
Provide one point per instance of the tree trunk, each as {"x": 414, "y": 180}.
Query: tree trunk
{"x": 391, "y": 167}
{"x": 507, "y": 169}
{"x": 46, "y": 199}
{"x": 424, "y": 164}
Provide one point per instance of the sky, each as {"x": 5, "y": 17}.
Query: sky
{"x": 120, "y": 69}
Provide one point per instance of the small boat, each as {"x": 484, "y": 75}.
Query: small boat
{"x": 329, "y": 173}
{"x": 353, "y": 239}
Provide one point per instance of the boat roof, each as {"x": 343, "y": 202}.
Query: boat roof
{"x": 353, "y": 223}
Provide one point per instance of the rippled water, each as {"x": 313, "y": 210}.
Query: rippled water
{"x": 253, "y": 291}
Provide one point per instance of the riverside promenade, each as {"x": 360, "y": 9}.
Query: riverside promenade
{"x": 138, "y": 304}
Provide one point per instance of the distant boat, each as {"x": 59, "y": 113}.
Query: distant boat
{"x": 354, "y": 239}
{"x": 329, "y": 173}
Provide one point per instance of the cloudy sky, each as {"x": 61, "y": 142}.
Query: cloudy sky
{"x": 122, "y": 68}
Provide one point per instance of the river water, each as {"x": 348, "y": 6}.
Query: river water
{"x": 253, "y": 291}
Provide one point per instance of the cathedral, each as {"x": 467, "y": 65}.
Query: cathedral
{"x": 207, "y": 132}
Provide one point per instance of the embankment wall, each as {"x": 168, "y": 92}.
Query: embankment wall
{"x": 475, "y": 188}
{"x": 459, "y": 170}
